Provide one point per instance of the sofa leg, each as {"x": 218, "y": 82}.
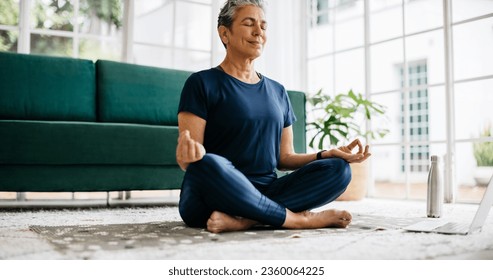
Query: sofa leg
{"x": 21, "y": 196}
{"x": 124, "y": 195}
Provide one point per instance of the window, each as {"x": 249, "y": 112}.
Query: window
{"x": 162, "y": 33}
{"x": 320, "y": 10}
{"x": 173, "y": 34}
{"x": 418, "y": 117}
{"x": 75, "y": 28}
{"x": 335, "y": 60}
{"x": 434, "y": 78}
{"x": 9, "y": 25}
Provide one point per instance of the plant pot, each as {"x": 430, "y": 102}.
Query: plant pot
{"x": 357, "y": 188}
{"x": 482, "y": 175}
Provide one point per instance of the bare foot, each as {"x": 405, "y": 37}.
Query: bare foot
{"x": 323, "y": 219}
{"x": 221, "y": 222}
{"x": 328, "y": 218}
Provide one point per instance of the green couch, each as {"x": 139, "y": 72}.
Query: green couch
{"x": 71, "y": 125}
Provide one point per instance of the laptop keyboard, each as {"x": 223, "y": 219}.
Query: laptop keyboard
{"x": 438, "y": 226}
{"x": 427, "y": 225}
{"x": 453, "y": 227}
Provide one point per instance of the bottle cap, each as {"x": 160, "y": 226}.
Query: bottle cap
{"x": 434, "y": 158}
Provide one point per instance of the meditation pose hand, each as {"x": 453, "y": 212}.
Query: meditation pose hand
{"x": 188, "y": 150}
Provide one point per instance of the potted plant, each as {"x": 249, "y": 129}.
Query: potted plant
{"x": 483, "y": 153}
{"x": 335, "y": 120}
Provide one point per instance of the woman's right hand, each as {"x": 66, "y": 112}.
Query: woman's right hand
{"x": 188, "y": 150}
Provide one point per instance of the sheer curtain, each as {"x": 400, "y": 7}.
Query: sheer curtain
{"x": 283, "y": 58}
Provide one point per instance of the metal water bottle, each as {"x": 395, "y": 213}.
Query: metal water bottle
{"x": 435, "y": 190}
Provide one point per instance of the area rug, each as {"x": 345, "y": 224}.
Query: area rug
{"x": 157, "y": 233}
{"x": 108, "y": 237}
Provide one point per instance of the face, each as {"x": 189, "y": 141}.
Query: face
{"x": 247, "y": 35}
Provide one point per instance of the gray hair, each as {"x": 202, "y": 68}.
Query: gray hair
{"x": 228, "y": 11}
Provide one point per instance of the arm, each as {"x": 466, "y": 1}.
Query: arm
{"x": 190, "y": 142}
{"x": 290, "y": 160}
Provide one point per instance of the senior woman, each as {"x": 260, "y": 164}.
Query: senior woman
{"x": 235, "y": 130}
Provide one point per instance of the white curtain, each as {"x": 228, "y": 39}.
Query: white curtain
{"x": 283, "y": 58}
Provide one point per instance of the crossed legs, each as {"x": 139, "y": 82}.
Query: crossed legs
{"x": 217, "y": 196}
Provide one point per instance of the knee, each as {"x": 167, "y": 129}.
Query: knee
{"x": 212, "y": 159}
{"x": 343, "y": 174}
{"x": 209, "y": 163}
{"x": 195, "y": 219}
{"x": 193, "y": 211}
{"x": 339, "y": 168}
{"x": 338, "y": 165}
{"x": 207, "y": 173}
{"x": 345, "y": 170}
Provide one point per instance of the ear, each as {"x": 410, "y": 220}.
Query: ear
{"x": 223, "y": 32}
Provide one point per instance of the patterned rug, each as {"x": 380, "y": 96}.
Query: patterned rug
{"x": 108, "y": 237}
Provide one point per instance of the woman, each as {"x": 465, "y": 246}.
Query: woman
{"x": 235, "y": 129}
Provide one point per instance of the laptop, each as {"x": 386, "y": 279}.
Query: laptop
{"x": 440, "y": 226}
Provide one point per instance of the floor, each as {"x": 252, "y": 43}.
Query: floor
{"x": 157, "y": 233}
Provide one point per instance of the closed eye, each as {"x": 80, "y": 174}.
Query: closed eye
{"x": 251, "y": 22}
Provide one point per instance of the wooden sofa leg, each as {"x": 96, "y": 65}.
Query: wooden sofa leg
{"x": 21, "y": 196}
{"x": 124, "y": 195}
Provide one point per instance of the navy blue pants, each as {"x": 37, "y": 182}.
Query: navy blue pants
{"x": 214, "y": 184}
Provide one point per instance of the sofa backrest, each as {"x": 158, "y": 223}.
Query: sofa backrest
{"x": 298, "y": 100}
{"x": 36, "y": 87}
{"x": 129, "y": 93}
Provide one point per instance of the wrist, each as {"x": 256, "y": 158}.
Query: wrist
{"x": 320, "y": 154}
{"x": 183, "y": 165}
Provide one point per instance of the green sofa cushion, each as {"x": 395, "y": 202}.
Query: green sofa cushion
{"x": 132, "y": 93}
{"x": 78, "y": 143}
{"x": 298, "y": 101}
{"x": 36, "y": 87}
{"x": 82, "y": 178}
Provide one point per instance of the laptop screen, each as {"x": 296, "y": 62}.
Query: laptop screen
{"x": 484, "y": 208}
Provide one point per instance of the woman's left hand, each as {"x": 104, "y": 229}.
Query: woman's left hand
{"x": 346, "y": 152}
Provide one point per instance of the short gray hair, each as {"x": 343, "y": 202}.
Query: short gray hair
{"x": 228, "y": 11}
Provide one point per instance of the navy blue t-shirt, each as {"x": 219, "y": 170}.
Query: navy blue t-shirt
{"x": 244, "y": 121}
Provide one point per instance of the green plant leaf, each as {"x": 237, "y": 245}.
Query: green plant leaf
{"x": 343, "y": 111}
